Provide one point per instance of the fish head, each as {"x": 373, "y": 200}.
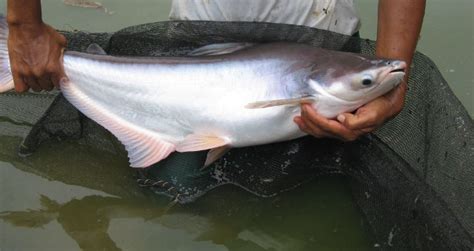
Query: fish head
{"x": 348, "y": 81}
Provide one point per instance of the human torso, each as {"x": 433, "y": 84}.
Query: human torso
{"x": 335, "y": 15}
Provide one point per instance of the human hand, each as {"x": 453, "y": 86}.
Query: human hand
{"x": 349, "y": 126}
{"x": 35, "y": 51}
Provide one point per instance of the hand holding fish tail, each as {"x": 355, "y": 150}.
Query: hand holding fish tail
{"x": 35, "y": 48}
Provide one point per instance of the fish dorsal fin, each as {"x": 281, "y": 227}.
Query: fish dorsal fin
{"x": 215, "y": 154}
{"x": 144, "y": 147}
{"x": 199, "y": 142}
{"x": 278, "y": 102}
{"x": 219, "y": 49}
{"x": 95, "y": 49}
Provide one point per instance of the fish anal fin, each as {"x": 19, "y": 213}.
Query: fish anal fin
{"x": 219, "y": 49}
{"x": 199, "y": 142}
{"x": 279, "y": 102}
{"x": 144, "y": 147}
{"x": 215, "y": 154}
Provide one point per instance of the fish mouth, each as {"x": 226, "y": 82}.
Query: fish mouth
{"x": 396, "y": 74}
{"x": 398, "y": 66}
{"x": 398, "y": 70}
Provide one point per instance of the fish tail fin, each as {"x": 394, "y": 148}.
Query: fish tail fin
{"x": 6, "y": 78}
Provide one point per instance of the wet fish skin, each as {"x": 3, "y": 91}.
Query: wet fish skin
{"x": 156, "y": 106}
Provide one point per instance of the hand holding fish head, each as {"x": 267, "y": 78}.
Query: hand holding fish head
{"x": 372, "y": 88}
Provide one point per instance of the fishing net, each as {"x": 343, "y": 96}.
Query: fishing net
{"x": 412, "y": 179}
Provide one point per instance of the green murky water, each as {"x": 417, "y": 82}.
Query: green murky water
{"x": 70, "y": 197}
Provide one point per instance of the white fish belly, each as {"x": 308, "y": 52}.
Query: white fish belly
{"x": 173, "y": 101}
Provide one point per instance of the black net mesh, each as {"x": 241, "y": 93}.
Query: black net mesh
{"x": 412, "y": 179}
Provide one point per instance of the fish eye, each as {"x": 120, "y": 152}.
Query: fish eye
{"x": 366, "y": 81}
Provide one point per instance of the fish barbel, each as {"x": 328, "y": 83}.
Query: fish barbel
{"x": 222, "y": 96}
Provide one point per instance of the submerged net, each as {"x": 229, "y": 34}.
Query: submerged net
{"x": 412, "y": 179}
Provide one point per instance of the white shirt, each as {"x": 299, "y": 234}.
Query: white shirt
{"x": 335, "y": 15}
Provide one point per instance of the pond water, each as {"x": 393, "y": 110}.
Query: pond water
{"x": 67, "y": 197}
{"x": 70, "y": 197}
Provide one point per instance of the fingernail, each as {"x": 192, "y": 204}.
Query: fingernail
{"x": 341, "y": 118}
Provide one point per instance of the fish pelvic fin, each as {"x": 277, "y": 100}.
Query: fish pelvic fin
{"x": 215, "y": 154}
{"x": 219, "y": 49}
{"x": 279, "y": 102}
{"x": 145, "y": 147}
{"x": 6, "y": 78}
{"x": 199, "y": 142}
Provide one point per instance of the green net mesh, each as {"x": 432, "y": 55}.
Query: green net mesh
{"x": 412, "y": 179}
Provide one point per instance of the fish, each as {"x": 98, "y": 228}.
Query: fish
{"x": 87, "y": 4}
{"x": 218, "y": 97}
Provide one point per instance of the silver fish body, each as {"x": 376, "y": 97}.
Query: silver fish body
{"x": 175, "y": 97}
{"x": 245, "y": 97}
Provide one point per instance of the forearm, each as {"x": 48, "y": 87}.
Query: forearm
{"x": 399, "y": 25}
{"x": 23, "y": 12}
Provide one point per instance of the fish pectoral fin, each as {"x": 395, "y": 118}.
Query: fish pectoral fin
{"x": 219, "y": 49}
{"x": 278, "y": 102}
{"x": 95, "y": 49}
{"x": 215, "y": 154}
{"x": 199, "y": 142}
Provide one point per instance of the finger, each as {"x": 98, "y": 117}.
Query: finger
{"x": 45, "y": 82}
{"x": 314, "y": 126}
{"x": 20, "y": 85}
{"x": 62, "y": 40}
{"x": 299, "y": 122}
{"x": 55, "y": 79}
{"x": 58, "y": 78}
{"x": 56, "y": 69}
{"x": 329, "y": 126}
{"x": 368, "y": 129}
{"x": 320, "y": 132}
{"x": 31, "y": 82}
{"x": 305, "y": 128}
{"x": 359, "y": 121}
{"x": 56, "y": 74}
